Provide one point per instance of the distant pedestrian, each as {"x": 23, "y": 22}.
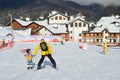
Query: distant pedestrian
{"x": 62, "y": 42}
{"x": 105, "y": 47}
{"x": 3, "y": 42}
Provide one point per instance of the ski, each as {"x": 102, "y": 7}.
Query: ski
{"x": 43, "y": 68}
{"x": 39, "y": 69}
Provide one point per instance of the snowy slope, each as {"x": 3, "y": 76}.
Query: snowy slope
{"x": 73, "y": 63}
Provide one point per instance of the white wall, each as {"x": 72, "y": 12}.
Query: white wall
{"x": 77, "y": 30}
{"x": 54, "y": 21}
{"x": 45, "y": 32}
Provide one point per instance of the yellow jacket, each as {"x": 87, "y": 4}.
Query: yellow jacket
{"x": 43, "y": 52}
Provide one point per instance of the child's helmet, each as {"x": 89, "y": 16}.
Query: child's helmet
{"x": 28, "y": 50}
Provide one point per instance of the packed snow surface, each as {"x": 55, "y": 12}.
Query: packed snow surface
{"x": 72, "y": 62}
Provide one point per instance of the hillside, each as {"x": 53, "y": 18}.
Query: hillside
{"x": 35, "y": 8}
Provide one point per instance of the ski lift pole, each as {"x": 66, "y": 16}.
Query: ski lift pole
{"x": 10, "y": 22}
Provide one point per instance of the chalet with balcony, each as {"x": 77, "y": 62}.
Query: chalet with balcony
{"x": 104, "y": 31}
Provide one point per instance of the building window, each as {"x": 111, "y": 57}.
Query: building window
{"x": 75, "y": 24}
{"x": 97, "y": 40}
{"x": 91, "y": 34}
{"x": 105, "y": 37}
{"x": 64, "y": 18}
{"x": 84, "y": 25}
{"x": 52, "y": 18}
{"x": 71, "y": 25}
{"x": 56, "y": 18}
{"x": 79, "y": 34}
{"x": 79, "y": 24}
{"x": 97, "y": 34}
{"x": 60, "y": 18}
{"x": 114, "y": 40}
{"x": 110, "y": 40}
{"x": 114, "y": 35}
{"x": 111, "y": 34}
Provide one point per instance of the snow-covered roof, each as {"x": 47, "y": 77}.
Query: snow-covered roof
{"x": 6, "y": 30}
{"x": 43, "y": 22}
{"x": 22, "y": 22}
{"x": 25, "y": 32}
{"x": 77, "y": 18}
{"x": 55, "y": 13}
{"x": 107, "y": 23}
{"x": 56, "y": 29}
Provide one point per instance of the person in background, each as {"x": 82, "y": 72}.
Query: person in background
{"x": 62, "y": 41}
{"x": 3, "y": 42}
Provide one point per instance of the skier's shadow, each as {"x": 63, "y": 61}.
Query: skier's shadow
{"x": 101, "y": 52}
{"x": 47, "y": 63}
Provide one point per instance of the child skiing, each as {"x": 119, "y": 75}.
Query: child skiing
{"x": 29, "y": 57}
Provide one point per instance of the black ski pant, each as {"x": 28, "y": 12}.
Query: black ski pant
{"x": 42, "y": 59}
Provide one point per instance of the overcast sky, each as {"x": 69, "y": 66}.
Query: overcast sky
{"x": 103, "y": 2}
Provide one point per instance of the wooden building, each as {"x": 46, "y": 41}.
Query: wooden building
{"x": 18, "y": 24}
{"x": 105, "y": 31}
{"x": 35, "y": 28}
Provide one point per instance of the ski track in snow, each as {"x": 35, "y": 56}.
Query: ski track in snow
{"x": 72, "y": 62}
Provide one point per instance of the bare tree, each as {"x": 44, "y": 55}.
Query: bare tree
{"x": 112, "y": 9}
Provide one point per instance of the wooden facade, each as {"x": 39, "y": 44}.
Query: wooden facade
{"x": 35, "y": 28}
{"x": 16, "y": 25}
{"x": 99, "y": 38}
